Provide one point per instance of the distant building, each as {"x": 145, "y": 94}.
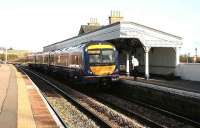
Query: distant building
{"x": 18, "y": 53}
{"x": 196, "y": 59}
{"x": 2, "y": 50}
{"x": 12, "y": 54}
{"x": 189, "y": 59}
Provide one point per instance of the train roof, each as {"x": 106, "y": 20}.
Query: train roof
{"x": 73, "y": 48}
{"x": 81, "y": 46}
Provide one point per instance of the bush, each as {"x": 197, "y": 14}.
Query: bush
{"x": 170, "y": 76}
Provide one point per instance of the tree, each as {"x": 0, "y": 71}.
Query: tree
{"x": 183, "y": 58}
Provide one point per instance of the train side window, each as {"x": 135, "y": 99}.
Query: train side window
{"x": 67, "y": 60}
{"x": 76, "y": 60}
{"x": 58, "y": 59}
{"x": 51, "y": 59}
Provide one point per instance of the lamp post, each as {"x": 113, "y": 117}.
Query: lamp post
{"x": 6, "y": 55}
{"x": 196, "y": 55}
{"x": 188, "y": 57}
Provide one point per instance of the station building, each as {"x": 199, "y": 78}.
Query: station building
{"x": 157, "y": 51}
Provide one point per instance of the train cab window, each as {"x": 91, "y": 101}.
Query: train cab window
{"x": 103, "y": 56}
{"x": 94, "y": 56}
{"x": 95, "y": 59}
{"x": 108, "y": 56}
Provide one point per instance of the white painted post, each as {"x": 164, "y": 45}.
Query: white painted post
{"x": 127, "y": 64}
{"x": 146, "y": 50}
{"x": 177, "y": 56}
{"x": 177, "y": 70}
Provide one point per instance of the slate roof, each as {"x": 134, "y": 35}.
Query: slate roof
{"x": 87, "y": 28}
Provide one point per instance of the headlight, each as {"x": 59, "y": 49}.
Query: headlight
{"x": 89, "y": 72}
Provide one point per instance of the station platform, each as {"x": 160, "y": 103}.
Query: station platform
{"x": 21, "y": 106}
{"x": 186, "y": 85}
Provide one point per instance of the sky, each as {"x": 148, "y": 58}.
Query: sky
{"x": 33, "y": 24}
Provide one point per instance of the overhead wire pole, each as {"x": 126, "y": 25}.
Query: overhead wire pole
{"x": 6, "y": 56}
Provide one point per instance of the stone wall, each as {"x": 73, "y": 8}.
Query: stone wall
{"x": 189, "y": 71}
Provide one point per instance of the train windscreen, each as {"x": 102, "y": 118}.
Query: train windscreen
{"x": 101, "y": 56}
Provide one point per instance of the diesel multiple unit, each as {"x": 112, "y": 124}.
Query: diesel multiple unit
{"x": 88, "y": 62}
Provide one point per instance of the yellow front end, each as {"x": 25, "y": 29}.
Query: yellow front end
{"x": 102, "y": 70}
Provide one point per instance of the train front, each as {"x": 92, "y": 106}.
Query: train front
{"x": 101, "y": 63}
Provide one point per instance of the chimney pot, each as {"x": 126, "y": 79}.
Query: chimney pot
{"x": 93, "y": 22}
{"x": 115, "y": 17}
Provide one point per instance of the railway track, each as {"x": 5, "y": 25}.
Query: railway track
{"x": 45, "y": 96}
{"x": 145, "y": 115}
{"x": 105, "y": 116}
{"x": 178, "y": 118}
{"x": 163, "y": 110}
{"x": 63, "y": 105}
{"x": 145, "y": 112}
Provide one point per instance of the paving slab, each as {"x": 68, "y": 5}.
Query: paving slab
{"x": 186, "y": 85}
{"x": 8, "y": 97}
{"x": 41, "y": 113}
{"x": 25, "y": 114}
{"x": 20, "y": 104}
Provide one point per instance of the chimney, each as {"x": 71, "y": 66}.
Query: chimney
{"x": 93, "y": 22}
{"x": 115, "y": 17}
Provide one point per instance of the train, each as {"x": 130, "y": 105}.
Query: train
{"x": 90, "y": 62}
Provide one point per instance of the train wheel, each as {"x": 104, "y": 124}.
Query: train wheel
{"x": 104, "y": 84}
